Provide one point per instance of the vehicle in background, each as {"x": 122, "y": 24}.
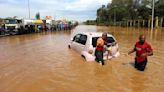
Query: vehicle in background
{"x": 13, "y": 26}
{"x": 85, "y": 44}
{"x": 2, "y": 30}
{"x": 22, "y": 26}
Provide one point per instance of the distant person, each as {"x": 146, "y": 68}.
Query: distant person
{"x": 142, "y": 49}
{"x": 100, "y": 48}
{"x": 43, "y": 27}
{"x": 0, "y": 29}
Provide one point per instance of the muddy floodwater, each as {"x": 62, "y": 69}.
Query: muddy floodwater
{"x": 42, "y": 62}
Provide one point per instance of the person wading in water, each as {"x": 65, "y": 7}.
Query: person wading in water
{"x": 142, "y": 49}
{"x": 100, "y": 48}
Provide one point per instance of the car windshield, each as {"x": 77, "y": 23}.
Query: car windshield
{"x": 94, "y": 40}
{"x": 11, "y": 21}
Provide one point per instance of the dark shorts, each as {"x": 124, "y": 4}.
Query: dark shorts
{"x": 99, "y": 56}
{"x": 140, "y": 66}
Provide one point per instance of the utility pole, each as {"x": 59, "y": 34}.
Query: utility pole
{"x": 29, "y": 8}
{"x": 115, "y": 15}
{"x": 152, "y": 19}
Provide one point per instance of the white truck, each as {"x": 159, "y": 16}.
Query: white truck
{"x": 12, "y": 26}
{"x": 18, "y": 26}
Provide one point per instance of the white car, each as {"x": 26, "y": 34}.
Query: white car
{"x": 85, "y": 44}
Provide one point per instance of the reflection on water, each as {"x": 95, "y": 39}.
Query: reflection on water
{"x": 42, "y": 62}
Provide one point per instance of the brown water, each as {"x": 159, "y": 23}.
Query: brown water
{"x": 42, "y": 62}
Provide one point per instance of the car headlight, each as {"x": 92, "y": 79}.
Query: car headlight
{"x": 16, "y": 27}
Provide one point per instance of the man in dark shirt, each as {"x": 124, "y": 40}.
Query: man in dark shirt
{"x": 142, "y": 49}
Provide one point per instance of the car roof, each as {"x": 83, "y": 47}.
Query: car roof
{"x": 95, "y": 34}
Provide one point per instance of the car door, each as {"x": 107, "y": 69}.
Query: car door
{"x": 111, "y": 43}
{"x": 74, "y": 41}
{"x": 79, "y": 42}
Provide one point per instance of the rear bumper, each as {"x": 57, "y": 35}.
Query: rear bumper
{"x": 90, "y": 57}
{"x": 112, "y": 56}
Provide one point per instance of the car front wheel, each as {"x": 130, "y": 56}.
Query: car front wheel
{"x": 83, "y": 57}
{"x": 69, "y": 46}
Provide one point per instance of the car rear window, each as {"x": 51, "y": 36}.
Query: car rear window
{"x": 94, "y": 40}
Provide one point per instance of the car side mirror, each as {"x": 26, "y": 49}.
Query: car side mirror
{"x": 114, "y": 43}
{"x": 73, "y": 39}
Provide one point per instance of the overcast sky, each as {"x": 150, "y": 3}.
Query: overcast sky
{"x": 70, "y": 9}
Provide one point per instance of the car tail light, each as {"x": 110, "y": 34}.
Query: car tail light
{"x": 90, "y": 51}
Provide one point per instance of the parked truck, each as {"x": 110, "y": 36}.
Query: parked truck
{"x": 12, "y": 26}
{"x": 19, "y": 26}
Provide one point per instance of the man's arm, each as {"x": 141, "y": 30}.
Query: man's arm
{"x": 147, "y": 54}
{"x": 150, "y": 53}
{"x": 132, "y": 51}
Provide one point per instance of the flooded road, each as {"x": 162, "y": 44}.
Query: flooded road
{"x": 42, "y": 62}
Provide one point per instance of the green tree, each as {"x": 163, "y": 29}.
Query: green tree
{"x": 123, "y": 10}
{"x": 159, "y": 8}
{"x": 37, "y": 15}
